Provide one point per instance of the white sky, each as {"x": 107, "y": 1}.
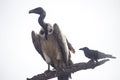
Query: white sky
{"x": 92, "y": 23}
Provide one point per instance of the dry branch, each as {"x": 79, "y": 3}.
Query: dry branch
{"x": 71, "y": 69}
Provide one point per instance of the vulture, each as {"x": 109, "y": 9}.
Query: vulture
{"x": 52, "y": 44}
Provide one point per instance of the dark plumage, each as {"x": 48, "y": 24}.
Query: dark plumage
{"x": 52, "y": 45}
{"x": 94, "y": 54}
{"x": 42, "y": 14}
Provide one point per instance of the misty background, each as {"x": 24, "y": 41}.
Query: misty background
{"x": 91, "y": 23}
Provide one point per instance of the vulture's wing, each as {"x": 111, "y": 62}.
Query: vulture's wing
{"x": 70, "y": 46}
{"x": 60, "y": 38}
{"x": 36, "y": 41}
{"x": 65, "y": 48}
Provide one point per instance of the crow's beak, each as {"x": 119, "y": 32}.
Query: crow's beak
{"x": 81, "y": 49}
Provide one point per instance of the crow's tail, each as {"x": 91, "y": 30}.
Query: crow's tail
{"x": 110, "y": 56}
{"x": 103, "y": 55}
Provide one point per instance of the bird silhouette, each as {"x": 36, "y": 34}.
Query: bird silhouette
{"x": 94, "y": 55}
{"x": 52, "y": 44}
{"x": 40, "y": 11}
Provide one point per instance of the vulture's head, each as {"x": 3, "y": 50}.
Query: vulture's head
{"x": 39, "y": 11}
{"x": 42, "y": 14}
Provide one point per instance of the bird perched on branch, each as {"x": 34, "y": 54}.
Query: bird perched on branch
{"x": 94, "y": 55}
{"x": 52, "y": 44}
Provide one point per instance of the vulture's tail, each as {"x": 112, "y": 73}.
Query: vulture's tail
{"x": 63, "y": 77}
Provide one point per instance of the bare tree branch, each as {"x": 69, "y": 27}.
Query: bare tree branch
{"x": 71, "y": 69}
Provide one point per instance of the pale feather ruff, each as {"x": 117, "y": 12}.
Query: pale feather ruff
{"x": 50, "y": 31}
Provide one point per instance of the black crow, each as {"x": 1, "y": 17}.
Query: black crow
{"x": 94, "y": 55}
